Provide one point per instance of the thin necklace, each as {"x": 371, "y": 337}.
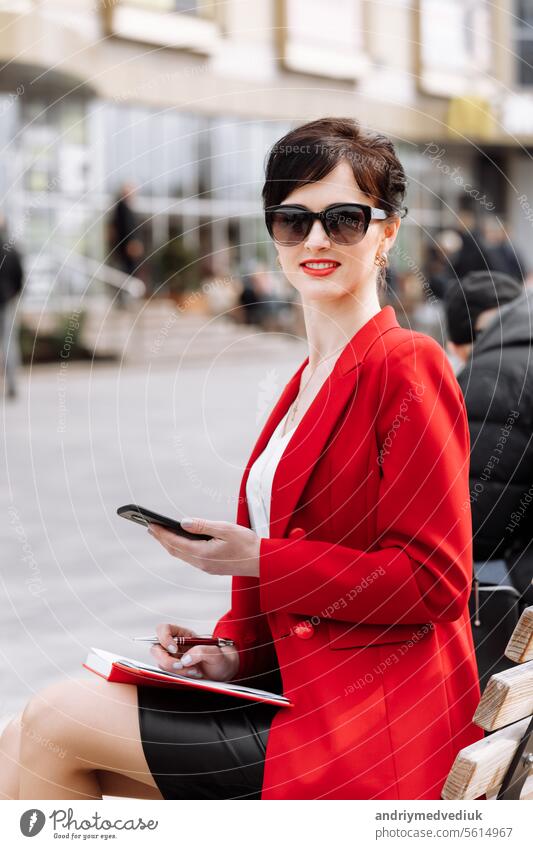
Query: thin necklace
{"x": 295, "y": 404}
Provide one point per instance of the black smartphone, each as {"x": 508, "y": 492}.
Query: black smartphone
{"x": 142, "y": 516}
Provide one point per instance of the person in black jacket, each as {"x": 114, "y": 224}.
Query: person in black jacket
{"x": 124, "y": 239}
{"x": 503, "y": 255}
{"x": 11, "y": 278}
{"x": 473, "y": 254}
{"x": 490, "y": 325}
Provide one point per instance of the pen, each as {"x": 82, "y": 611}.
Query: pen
{"x": 191, "y": 641}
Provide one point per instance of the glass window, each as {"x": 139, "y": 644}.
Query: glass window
{"x": 38, "y": 158}
{"x": 181, "y": 145}
{"x": 71, "y": 121}
{"x": 188, "y": 6}
{"x": 526, "y": 63}
{"x": 34, "y": 112}
{"x": 9, "y": 117}
{"x": 238, "y": 151}
{"x": 523, "y": 34}
{"x": 118, "y": 147}
{"x": 234, "y": 241}
{"x": 205, "y": 182}
{"x": 71, "y": 232}
{"x": 524, "y": 11}
{"x": 142, "y": 121}
{"x": 39, "y": 224}
{"x": 169, "y": 178}
{"x": 311, "y": 44}
{"x": 455, "y": 45}
{"x": 160, "y": 126}
{"x": 226, "y": 158}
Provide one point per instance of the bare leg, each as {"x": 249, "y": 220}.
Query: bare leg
{"x": 9, "y": 760}
{"x": 111, "y": 783}
{"x": 80, "y": 739}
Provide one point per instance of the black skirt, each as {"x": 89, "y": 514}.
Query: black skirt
{"x": 204, "y": 745}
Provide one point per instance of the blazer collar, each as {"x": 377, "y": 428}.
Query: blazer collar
{"x": 304, "y": 448}
{"x": 356, "y": 349}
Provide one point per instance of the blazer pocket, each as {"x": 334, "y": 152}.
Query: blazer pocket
{"x": 345, "y": 635}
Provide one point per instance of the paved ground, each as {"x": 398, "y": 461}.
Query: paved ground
{"x": 81, "y": 441}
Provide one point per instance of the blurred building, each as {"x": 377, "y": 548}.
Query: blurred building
{"x": 185, "y": 98}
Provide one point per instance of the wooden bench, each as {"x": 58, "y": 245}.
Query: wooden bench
{"x": 501, "y": 765}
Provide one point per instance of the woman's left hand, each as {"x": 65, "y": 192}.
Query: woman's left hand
{"x": 233, "y": 551}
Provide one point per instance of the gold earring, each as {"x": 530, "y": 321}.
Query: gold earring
{"x": 278, "y": 261}
{"x": 381, "y": 260}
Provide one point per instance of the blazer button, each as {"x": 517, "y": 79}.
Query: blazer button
{"x": 304, "y": 630}
{"x": 297, "y": 533}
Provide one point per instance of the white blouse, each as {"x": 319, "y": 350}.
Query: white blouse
{"x": 259, "y": 482}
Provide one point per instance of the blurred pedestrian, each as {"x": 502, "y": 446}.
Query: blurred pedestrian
{"x": 503, "y": 256}
{"x": 473, "y": 253}
{"x": 11, "y": 279}
{"x": 490, "y": 326}
{"x": 438, "y": 262}
{"x": 270, "y": 297}
{"x": 252, "y": 297}
{"x": 125, "y": 242}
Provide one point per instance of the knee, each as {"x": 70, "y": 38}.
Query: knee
{"x": 44, "y": 723}
{"x": 39, "y": 713}
{"x": 57, "y": 719}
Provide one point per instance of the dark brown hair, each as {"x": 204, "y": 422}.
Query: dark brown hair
{"x": 308, "y": 153}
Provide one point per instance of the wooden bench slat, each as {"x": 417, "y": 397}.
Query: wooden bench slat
{"x": 520, "y": 646}
{"x": 508, "y": 697}
{"x": 481, "y": 767}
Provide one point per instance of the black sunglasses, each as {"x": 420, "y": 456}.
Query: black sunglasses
{"x": 344, "y": 223}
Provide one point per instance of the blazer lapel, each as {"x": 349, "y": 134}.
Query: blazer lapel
{"x": 287, "y": 397}
{"x": 305, "y": 447}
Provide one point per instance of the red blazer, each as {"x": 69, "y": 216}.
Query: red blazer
{"x": 364, "y": 581}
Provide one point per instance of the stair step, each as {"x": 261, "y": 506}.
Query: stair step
{"x": 158, "y": 331}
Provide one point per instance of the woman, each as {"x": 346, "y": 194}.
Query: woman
{"x": 351, "y": 555}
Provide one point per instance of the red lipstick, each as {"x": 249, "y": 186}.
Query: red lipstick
{"x": 319, "y": 267}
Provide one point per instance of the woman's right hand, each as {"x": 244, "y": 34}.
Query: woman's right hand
{"x": 217, "y": 663}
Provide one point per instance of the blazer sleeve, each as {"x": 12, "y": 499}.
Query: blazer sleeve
{"x": 421, "y": 561}
{"x": 248, "y": 626}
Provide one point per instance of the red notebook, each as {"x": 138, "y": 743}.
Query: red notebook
{"x": 124, "y": 670}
